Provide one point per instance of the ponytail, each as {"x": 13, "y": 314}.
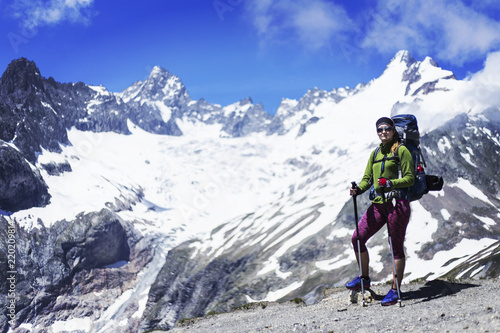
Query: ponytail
{"x": 394, "y": 147}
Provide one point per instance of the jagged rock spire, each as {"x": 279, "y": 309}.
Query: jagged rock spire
{"x": 21, "y": 74}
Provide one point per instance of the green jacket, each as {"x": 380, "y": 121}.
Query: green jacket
{"x": 373, "y": 170}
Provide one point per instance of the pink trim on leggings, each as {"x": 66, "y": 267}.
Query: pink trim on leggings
{"x": 374, "y": 219}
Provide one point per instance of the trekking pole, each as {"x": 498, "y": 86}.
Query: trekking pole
{"x": 390, "y": 246}
{"x": 359, "y": 246}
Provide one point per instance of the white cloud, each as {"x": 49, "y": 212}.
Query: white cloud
{"x": 449, "y": 30}
{"x": 35, "y": 13}
{"x": 491, "y": 72}
{"x": 483, "y": 92}
{"x": 312, "y": 23}
{"x": 456, "y": 31}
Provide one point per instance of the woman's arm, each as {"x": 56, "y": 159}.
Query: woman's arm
{"x": 366, "y": 181}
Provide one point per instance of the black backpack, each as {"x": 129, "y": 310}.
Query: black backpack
{"x": 409, "y": 136}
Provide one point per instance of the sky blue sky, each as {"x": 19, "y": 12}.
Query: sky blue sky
{"x": 227, "y": 50}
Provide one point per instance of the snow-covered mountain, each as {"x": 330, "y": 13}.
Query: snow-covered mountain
{"x": 206, "y": 207}
{"x": 164, "y": 97}
{"x": 293, "y": 112}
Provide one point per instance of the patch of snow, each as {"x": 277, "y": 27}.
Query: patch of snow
{"x": 466, "y": 186}
{"x": 446, "y": 215}
{"x": 100, "y": 89}
{"x": 276, "y": 295}
{"x": 339, "y": 233}
{"x": 474, "y": 272}
{"x": 467, "y": 158}
{"x": 48, "y": 106}
{"x": 488, "y": 222}
{"x": 341, "y": 260}
{"x": 26, "y": 326}
{"x": 165, "y": 111}
{"x": 444, "y": 144}
{"x": 376, "y": 253}
{"x": 461, "y": 252}
{"x": 72, "y": 324}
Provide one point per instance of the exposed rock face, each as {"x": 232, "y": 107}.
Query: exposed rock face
{"x": 303, "y": 127}
{"x": 8, "y": 123}
{"x": 101, "y": 242}
{"x": 466, "y": 148}
{"x": 60, "y": 269}
{"x": 188, "y": 288}
{"x": 475, "y": 137}
{"x": 487, "y": 262}
{"x": 35, "y": 121}
{"x": 56, "y": 169}
{"x": 238, "y": 125}
{"x": 157, "y": 102}
{"x": 20, "y": 186}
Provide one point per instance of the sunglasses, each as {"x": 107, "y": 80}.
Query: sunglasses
{"x": 384, "y": 129}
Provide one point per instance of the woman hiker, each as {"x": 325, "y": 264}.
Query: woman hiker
{"x": 382, "y": 171}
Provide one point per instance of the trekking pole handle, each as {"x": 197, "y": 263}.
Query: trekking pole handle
{"x": 354, "y": 186}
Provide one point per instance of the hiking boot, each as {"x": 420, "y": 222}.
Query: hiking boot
{"x": 391, "y": 298}
{"x": 356, "y": 283}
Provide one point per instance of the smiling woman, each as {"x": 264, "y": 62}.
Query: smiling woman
{"x": 383, "y": 169}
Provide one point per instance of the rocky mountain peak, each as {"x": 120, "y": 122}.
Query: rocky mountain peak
{"x": 246, "y": 101}
{"x": 161, "y": 85}
{"x": 22, "y": 65}
{"x": 403, "y": 56}
{"x": 163, "y": 79}
{"x": 422, "y": 76}
{"x": 159, "y": 71}
{"x": 21, "y": 74}
{"x": 311, "y": 98}
{"x": 430, "y": 61}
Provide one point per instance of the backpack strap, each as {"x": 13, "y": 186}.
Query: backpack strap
{"x": 400, "y": 172}
{"x": 400, "y": 193}
{"x": 394, "y": 156}
{"x": 375, "y": 153}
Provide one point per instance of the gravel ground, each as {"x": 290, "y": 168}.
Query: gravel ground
{"x": 434, "y": 306}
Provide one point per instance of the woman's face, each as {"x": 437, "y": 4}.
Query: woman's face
{"x": 385, "y": 133}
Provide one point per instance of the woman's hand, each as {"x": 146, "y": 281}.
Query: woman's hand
{"x": 383, "y": 182}
{"x": 355, "y": 191}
